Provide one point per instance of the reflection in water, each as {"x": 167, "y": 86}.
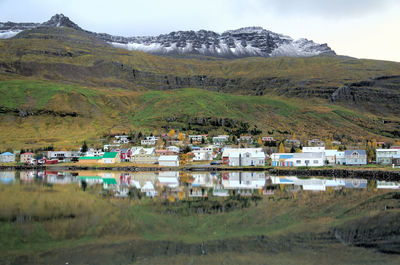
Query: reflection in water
{"x": 179, "y": 185}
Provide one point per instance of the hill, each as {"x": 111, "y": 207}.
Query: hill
{"x": 61, "y": 86}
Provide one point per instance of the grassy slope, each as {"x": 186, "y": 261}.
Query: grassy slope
{"x": 104, "y": 110}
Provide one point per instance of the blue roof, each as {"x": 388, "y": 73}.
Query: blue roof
{"x": 6, "y": 154}
{"x": 285, "y": 156}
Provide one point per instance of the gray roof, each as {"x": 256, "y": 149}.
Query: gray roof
{"x": 350, "y": 152}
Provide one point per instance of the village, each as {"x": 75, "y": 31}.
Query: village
{"x": 175, "y": 150}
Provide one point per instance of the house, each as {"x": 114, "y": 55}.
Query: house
{"x": 25, "y": 157}
{"x": 202, "y": 155}
{"x": 7, "y": 157}
{"x": 340, "y": 160}
{"x": 124, "y": 154}
{"x": 64, "y": 156}
{"x": 144, "y": 156}
{"x": 355, "y": 157}
{"x": 94, "y": 152}
{"x": 396, "y": 160}
{"x": 169, "y": 161}
{"x": 311, "y": 159}
{"x": 313, "y": 149}
{"x": 293, "y": 142}
{"x": 268, "y": 139}
{"x": 220, "y": 139}
{"x": 331, "y": 156}
{"x": 315, "y": 142}
{"x": 173, "y": 149}
{"x": 89, "y": 159}
{"x": 149, "y": 140}
{"x": 249, "y": 158}
{"x": 245, "y": 139}
{"x": 109, "y": 183}
{"x": 121, "y": 139}
{"x": 164, "y": 152}
{"x": 198, "y": 139}
{"x": 385, "y": 156}
{"x": 227, "y": 151}
{"x": 110, "y": 158}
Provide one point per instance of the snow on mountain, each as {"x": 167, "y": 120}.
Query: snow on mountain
{"x": 243, "y": 42}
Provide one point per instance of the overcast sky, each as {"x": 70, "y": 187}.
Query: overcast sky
{"x": 359, "y": 28}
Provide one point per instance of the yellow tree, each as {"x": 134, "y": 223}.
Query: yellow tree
{"x": 328, "y": 144}
{"x": 281, "y": 148}
{"x": 181, "y": 136}
{"x": 171, "y": 133}
{"x": 294, "y": 136}
{"x": 260, "y": 142}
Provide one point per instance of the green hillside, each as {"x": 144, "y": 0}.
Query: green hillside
{"x": 60, "y": 86}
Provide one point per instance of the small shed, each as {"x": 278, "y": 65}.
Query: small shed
{"x": 168, "y": 161}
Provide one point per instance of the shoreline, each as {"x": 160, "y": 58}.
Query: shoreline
{"x": 366, "y": 173}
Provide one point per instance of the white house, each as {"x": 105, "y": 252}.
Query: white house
{"x": 94, "y": 152}
{"x": 173, "y": 149}
{"x": 149, "y": 190}
{"x": 251, "y": 158}
{"x": 197, "y": 138}
{"x": 385, "y": 156}
{"x": 7, "y": 157}
{"x": 312, "y": 159}
{"x": 202, "y": 155}
{"x": 227, "y": 151}
{"x": 331, "y": 155}
{"x": 121, "y": 139}
{"x": 169, "y": 161}
{"x": 64, "y": 156}
{"x": 144, "y": 156}
{"x": 313, "y": 149}
{"x": 149, "y": 140}
{"x": 220, "y": 139}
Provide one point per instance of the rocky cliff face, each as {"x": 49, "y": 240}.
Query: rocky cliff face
{"x": 244, "y": 42}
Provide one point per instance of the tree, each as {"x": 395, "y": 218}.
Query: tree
{"x": 171, "y": 133}
{"x": 259, "y": 141}
{"x": 328, "y": 144}
{"x": 281, "y": 148}
{"x": 181, "y": 136}
{"x": 203, "y": 141}
{"x": 292, "y": 150}
{"x": 84, "y": 148}
{"x": 294, "y": 136}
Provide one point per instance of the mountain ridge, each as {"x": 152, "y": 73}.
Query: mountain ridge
{"x": 239, "y": 43}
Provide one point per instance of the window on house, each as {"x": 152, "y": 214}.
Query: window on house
{"x": 298, "y": 161}
{"x": 307, "y": 162}
{"x": 315, "y": 161}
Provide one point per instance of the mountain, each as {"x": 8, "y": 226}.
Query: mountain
{"x": 60, "y": 85}
{"x": 240, "y": 43}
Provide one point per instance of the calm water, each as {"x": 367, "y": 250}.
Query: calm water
{"x": 197, "y": 184}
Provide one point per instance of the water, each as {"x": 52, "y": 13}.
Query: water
{"x": 191, "y": 184}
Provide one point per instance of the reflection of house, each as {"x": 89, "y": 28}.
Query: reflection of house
{"x": 355, "y": 157}
{"x": 25, "y": 157}
{"x": 144, "y": 156}
{"x": 244, "y": 180}
{"x": 356, "y": 183}
{"x": 203, "y": 180}
{"x": 7, "y": 177}
{"x": 246, "y": 159}
{"x": 148, "y": 189}
{"x": 168, "y": 161}
{"x": 7, "y": 157}
{"x": 385, "y": 156}
{"x": 388, "y": 185}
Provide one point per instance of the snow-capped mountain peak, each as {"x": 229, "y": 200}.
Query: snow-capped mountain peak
{"x": 243, "y": 42}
